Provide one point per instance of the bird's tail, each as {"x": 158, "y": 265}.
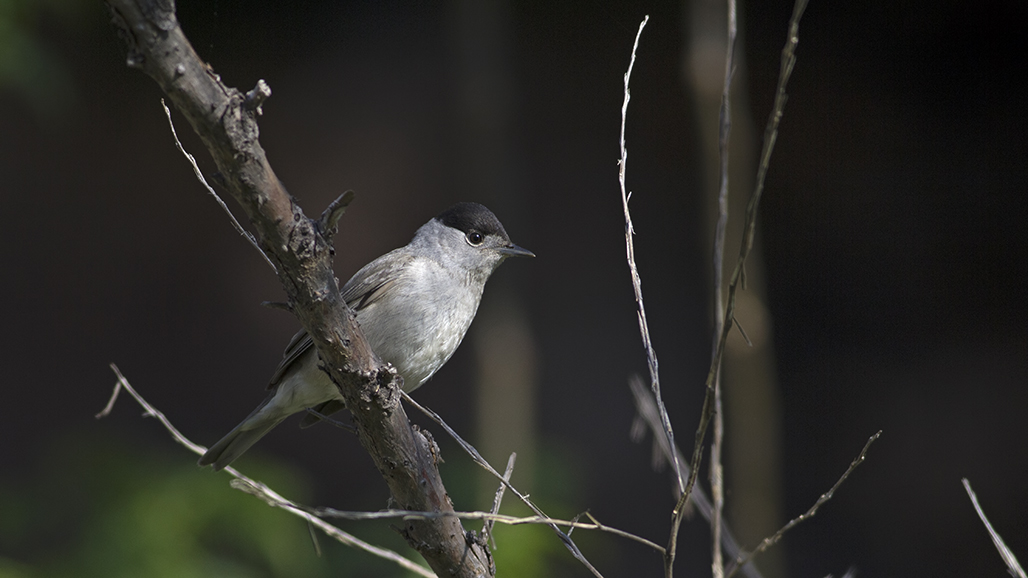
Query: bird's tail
{"x": 244, "y": 435}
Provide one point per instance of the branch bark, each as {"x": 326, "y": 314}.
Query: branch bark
{"x": 301, "y": 249}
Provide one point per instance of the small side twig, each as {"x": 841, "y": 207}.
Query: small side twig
{"x": 772, "y": 539}
{"x": 478, "y": 459}
{"x": 277, "y": 305}
{"x": 257, "y": 488}
{"x": 487, "y": 528}
{"x": 329, "y": 220}
{"x": 1013, "y": 566}
{"x": 331, "y": 420}
{"x": 256, "y": 96}
{"x": 210, "y": 190}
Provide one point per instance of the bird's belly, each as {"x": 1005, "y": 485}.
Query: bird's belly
{"x": 421, "y": 340}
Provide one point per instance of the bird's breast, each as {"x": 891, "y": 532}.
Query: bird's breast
{"x": 418, "y": 326}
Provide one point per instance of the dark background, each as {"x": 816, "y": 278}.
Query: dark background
{"x": 893, "y": 238}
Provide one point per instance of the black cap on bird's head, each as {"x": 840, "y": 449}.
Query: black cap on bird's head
{"x": 471, "y": 218}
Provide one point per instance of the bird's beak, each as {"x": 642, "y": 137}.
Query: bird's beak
{"x": 513, "y": 250}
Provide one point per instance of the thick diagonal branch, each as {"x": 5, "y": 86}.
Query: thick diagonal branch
{"x": 224, "y": 118}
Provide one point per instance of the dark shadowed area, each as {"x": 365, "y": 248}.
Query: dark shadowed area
{"x": 892, "y": 238}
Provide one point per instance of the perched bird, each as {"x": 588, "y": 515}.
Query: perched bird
{"x": 414, "y": 305}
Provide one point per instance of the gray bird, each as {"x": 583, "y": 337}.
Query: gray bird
{"x": 414, "y": 305}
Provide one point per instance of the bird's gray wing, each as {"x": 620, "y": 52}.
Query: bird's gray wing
{"x": 298, "y": 345}
{"x": 372, "y": 281}
{"x": 364, "y": 288}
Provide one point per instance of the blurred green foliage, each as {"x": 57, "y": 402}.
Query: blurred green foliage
{"x": 31, "y": 67}
{"x": 101, "y": 506}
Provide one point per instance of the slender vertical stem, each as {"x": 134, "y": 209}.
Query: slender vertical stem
{"x": 749, "y": 231}
{"x": 716, "y": 469}
{"x": 644, "y": 330}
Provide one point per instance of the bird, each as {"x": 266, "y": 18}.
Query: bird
{"x": 414, "y": 305}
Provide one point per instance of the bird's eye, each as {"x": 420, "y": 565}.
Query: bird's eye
{"x": 475, "y": 238}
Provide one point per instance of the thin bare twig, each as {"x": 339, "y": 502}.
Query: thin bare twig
{"x": 487, "y": 516}
{"x": 210, "y": 190}
{"x": 716, "y": 470}
{"x": 258, "y": 489}
{"x": 478, "y": 459}
{"x": 1004, "y": 552}
{"x": 771, "y": 540}
{"x": 646, "y": 411}
{"x": 749, "y": 231}
{"x": 644, "y": 329}
{"x": 487, "y": 528}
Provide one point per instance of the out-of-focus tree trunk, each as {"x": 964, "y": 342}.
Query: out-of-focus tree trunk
{"x": 506, "y": 374}
{"x": 752, "y": 404}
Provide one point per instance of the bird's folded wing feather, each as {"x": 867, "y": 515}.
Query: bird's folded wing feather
{"x": 298, "y": 345}
{"x": 369, "y": 284}
{"x": 363, "y": 289}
